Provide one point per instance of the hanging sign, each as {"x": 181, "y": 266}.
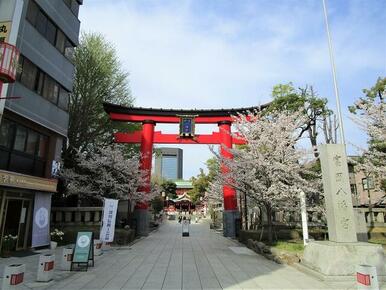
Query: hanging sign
{"x": 187, "y": 126}
{"x": 108, "y": 222}
{"x": 41, "y": 220}
{"x": 5, "y": 29}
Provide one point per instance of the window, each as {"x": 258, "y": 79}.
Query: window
{"x": 51, "y": 32}
{"x": 5, "y": 134}
{"x": 32, "y": 142}
{"x": 73, "y": 5}
{"x": 25, "y": 150}
{"x": 43, "y": 142}
{"x": 32, "y": 12}
{"x": 63, "y": 99}
{"x": 50, "y": 89}
{"x": 41, "y": 83}
{"x": 49, "y": 29}
{"x": 60, "y": 41}
{"x": 69, "y": 50}
{"x": 169, "y": 167}
{"x": 19, "y": 71}
{"x": 367, "y": 183}
{"x": 41, "y": 23}
{"x": 20, "y": 138}
{"x": 28, "y": 75}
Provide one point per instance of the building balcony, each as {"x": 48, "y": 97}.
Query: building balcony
{"x": 9, "y": 57}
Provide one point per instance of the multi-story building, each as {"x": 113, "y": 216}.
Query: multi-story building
{"x": 168, "y": 163}
{"x": 364, "y": 189}
{"x": 35, "y": 115}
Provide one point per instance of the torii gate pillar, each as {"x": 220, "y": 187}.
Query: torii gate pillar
{"x": 230, "y": 198}
{"x": 141, "y": 212}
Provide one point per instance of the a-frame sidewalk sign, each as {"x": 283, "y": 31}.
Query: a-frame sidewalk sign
{"x": 83, "y": 251}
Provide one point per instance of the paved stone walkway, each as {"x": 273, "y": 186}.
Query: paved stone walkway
{"x": 205, "y": 260}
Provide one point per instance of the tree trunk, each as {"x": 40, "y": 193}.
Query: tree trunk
{"x": 245, "y": 211}
{"x": 261, "y": 223}
{"x": 129, "y": 213}
{"x": 270, "y": 226}
{"x": 312, "y": 135}
{"x": 241, "y": 211}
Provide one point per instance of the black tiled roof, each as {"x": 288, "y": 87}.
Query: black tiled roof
{"x": 114, "y": 108}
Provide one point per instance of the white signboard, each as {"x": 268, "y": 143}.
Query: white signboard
{"x": 108, "y": 222}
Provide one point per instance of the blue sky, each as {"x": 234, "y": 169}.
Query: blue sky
{"x": 222, "y": 54}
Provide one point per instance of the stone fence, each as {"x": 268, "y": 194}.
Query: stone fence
{"x": 92, "y": 216}
{"x": 67, "y": 216}
{"x": 292, "y": 218}
{"x": 289, "y": 217}
{"x": 379, "y": 215}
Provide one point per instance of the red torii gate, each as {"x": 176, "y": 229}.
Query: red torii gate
{"x": 149, "y": 117}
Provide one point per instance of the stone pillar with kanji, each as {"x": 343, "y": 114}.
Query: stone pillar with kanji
{"x": 342, "y": 253}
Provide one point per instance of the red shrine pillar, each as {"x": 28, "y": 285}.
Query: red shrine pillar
{"x": 141, "y": 208}
{"x": 147, "y": 138}
{"x": 229, "y": 193}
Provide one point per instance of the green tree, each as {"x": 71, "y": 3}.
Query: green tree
{"x": 202, "y": 180}
{"x": 369, "y": 113}
{"x": 374, "y": 96}
{"x": 170, "y": 188}
{"x": 157, "y": 204}
{"x": 213, "y": 167}
{"x": 305, "y": 100}
{"x": 98, "y": 78}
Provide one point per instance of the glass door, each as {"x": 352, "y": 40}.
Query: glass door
{"x": 12, "y": 217}
{"x": 23, "y": 225}
{"x": 16, "y": 221}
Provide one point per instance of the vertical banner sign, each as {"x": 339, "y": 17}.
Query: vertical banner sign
{"x": 108, "y": 222}
{"x": 41, "y": 220}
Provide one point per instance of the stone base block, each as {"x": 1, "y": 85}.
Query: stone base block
{"x": 229, "y": 223}
{"x": 142, "y": 221}
{"x": 332, "y": 259}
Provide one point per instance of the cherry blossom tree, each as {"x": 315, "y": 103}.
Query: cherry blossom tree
{"x": 268, "y": 169}
{"x": 215, "y": 190}
{"x": 369, "y": 114}
{"x": 107, "y": 172}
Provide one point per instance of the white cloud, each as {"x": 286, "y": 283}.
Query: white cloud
{"x": 230, "y": 54}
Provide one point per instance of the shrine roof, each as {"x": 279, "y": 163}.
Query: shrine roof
{"x": 114, "y": 108}
{"x": 183, "y": 184}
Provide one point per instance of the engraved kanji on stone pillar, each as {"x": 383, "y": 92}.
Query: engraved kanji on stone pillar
{"x": 337, "y": 193}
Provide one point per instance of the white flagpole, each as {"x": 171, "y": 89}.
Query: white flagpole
{"x": 339, "y": 112}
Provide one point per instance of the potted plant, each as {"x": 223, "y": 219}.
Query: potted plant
{"x": 9, "y": 242}
{"x": 56, "y": 237}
